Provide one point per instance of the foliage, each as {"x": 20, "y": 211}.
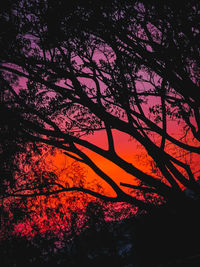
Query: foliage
{"x": 132, "y": 66}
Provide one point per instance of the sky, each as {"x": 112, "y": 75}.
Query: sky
{"x": 127, "y": 148}
{"x": 60, "y": 163}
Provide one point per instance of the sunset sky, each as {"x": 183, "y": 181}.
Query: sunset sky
{"x": 58, "y": 96}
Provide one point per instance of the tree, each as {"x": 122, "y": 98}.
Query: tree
{"x": 83, "y": 68}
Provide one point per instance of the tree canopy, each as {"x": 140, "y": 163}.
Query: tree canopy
{"x": 70, "y": 70}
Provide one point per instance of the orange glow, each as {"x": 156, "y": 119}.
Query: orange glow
{"x": 55, "y": 211}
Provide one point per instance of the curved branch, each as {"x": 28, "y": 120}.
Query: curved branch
{"x": 63, "y": 190}
{"x": 141, "y": 188}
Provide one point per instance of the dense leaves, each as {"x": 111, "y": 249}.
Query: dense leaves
{"x": 71, "y": 70}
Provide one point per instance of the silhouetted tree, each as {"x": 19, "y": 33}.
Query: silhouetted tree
{"x": 130, "y": 66}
